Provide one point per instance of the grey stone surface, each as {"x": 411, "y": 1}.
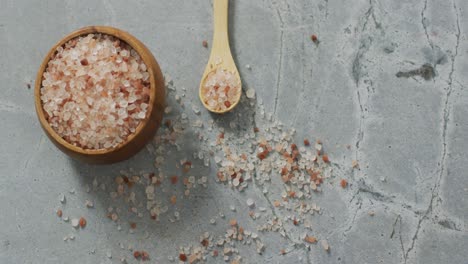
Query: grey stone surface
{"x": 408, "y": 133}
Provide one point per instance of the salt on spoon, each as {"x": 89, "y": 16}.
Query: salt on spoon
{"x": 220, "y": 86}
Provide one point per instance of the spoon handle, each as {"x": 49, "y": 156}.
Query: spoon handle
{"x": 220, "y": 34}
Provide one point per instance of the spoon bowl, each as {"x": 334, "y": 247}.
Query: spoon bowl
{"x": 221, "y": 57}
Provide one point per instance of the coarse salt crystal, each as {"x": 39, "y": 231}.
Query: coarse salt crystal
{"x": 250, "y": 202}
{"x": 196, "y": 109}
{"x": 235, "y": 182}
{"x": 318, "y": 146}
{"x": 89, "y": 204}
{"x": 325, "y": 245}
{"x": 250, "y": 93}
{"x": 62, "y": 198}
{"x": 75, "y": 222}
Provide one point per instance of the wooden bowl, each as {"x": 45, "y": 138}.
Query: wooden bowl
{"x": 145, "y": 130}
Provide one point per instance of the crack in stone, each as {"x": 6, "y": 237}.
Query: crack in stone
{"x": 357, "y": 71}
{"x": 370, "y": 13}
{"x": 278, "y": 75}
{"x": 36, "y": 148}
{"x": 364, "y": 188}
{"x": 367, "y": 15}
{"x": 365, "y": 44}
{"x": 356, "y": 66}
{"x": 446, "y": 118}
{"x": 399, "y": 220}
{"x": 401, "y": 241}
{"x": 347, "y": 229}
{"x": 354, "y": 196}
{"x": 414, "y": 238}
{"x": 446, "y": 115}
{"x": 423, "y": 22}
{"x": 376, "y": 195}
{"x": 280, "y": 59}
{"x": 383, "y": 198}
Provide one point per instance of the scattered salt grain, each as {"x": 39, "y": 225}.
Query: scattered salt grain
{"x": 325, "y": 245}
{"x": 196, "y": 109}
{"x": 250, "y": 202}
{"x": 318, "y": 146}
{"x": 62, "y": 198}
{"x": 89, "y": 204}
{"x": 250, "y": 93}
{"x": 75, "y": 222}
{"x": 235, "y": 182}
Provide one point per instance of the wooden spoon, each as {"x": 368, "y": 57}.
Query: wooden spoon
{"x": 221, "y": 57}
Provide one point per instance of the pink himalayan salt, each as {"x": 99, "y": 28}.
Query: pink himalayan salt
{"x": 95, "y": 91}
{"x": 221, "y": 89}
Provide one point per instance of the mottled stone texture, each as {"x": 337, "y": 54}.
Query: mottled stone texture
{"x": 363, "y": 85}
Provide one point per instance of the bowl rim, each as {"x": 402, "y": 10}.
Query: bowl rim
{"x": 135, "y": 44}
